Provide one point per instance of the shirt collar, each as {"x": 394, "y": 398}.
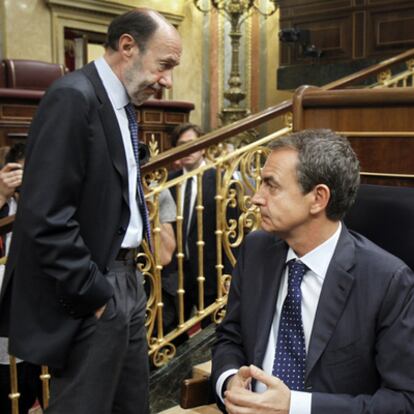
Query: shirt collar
{"x": 113, "y": 86}
{"x": 318, "y": 259}
{"x": 202, "y": 164}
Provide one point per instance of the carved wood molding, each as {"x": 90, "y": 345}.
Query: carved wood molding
{"x": 92, "y": 15}
{"x": 107, "y": 7}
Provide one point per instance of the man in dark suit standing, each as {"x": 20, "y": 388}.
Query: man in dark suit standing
{"x": 327, "y": 315}
{"x": 72, "y": 298}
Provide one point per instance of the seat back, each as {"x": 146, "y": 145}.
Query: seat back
{"x": 31, "y": 74}
{"x": 385, "y": 215}
{"x": 2, "y": 75}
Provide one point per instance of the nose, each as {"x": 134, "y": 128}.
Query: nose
{"x": 166, "y": 79}
{"x": 258, "y": 199}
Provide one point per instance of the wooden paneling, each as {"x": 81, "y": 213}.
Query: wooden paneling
{"x": 390, "y": 30}
{"x": 379, "y": 124}
{"x": 158, "y": 118}
{"x": 348, "y": 29}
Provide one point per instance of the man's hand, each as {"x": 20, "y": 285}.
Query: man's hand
{"x": 239, "y": 400}
{"x": 11, "y": 176}
{"x": 100, "y": 311}
{"x": 241, "y": 379}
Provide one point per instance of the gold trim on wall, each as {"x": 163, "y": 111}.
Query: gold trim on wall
{"x": 2, "y": 30}
{"x": 88, "y": 15}
{"x": 220, "y": 64}
{"x": 248, "y": 63}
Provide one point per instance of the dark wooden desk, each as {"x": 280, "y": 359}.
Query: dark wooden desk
{"x": 157, "y": 118}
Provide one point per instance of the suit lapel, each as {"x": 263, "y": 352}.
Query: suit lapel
{"x": 111, "y": 127}
{"x": 335, "y": 291}
{"x": 272, "y": 273}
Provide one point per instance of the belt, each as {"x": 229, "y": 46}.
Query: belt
{"x": 126, "y": 253}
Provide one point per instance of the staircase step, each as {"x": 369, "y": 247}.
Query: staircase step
{"x": 202, "y": 370}
{"x": 203, "y": 409}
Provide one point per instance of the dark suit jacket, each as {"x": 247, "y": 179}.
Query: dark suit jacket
{"x": 361, "y": 353}
{"x": 71, "y": 219}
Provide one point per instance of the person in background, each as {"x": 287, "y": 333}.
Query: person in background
{"x": 184, "y": 134}
{"x": 167, "y": 211}
{"x": 3, "y": 152}
{"x": 28, "y": 375}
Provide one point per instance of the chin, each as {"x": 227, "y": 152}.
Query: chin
{"x": 139, "y": 100}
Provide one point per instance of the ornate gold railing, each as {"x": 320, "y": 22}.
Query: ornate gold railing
{"x": 236, "y": 180}
{"x": 404, "y": 79}
{"x": 237, "y": 177}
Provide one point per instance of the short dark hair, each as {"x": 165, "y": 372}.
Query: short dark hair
{"x": 180, "y": 129}
{"x": 325, "y": 157}
{"x": 139, "y": 23}
{"x": 16, "y": 153}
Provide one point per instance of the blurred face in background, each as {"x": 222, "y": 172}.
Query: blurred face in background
{"x": 192, "y": 161}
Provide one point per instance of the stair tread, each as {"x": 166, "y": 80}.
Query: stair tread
{"x": 201, "y": 370}
{"x": 202, "y": 409}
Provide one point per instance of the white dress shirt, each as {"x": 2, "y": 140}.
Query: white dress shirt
{"x": 317, "y": 262}
{"x": 119, "y": 99}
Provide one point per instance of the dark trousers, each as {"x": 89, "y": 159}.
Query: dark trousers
{"x": 107, "y": 370}
{"x": 29, "y": 386}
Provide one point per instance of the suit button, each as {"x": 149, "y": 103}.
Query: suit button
{"x": 106, "y": 270}
{"x": 121, "y": 230}
{"x": 308, "y": 387}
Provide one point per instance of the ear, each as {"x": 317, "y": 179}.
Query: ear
{"x": 126, "y": 45}
{"x": 321, "y": 196}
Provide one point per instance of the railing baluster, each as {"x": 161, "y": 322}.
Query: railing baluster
{"x": 14, "y": 391}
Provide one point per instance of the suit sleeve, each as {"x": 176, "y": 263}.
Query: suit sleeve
{"x": 52, "y": 189}
{"x": 394, "y": 358}
{"x": 228, "y": 350}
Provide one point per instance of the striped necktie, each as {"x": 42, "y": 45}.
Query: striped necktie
{"x": 133, "y": 128}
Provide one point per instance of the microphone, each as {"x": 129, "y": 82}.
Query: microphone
{"x": 143, "y": 153}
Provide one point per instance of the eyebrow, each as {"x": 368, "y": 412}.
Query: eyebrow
{"x": 170, "y": 61}
{"x": 269, "y": 179}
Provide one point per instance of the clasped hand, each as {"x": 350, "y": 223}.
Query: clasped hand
{"x": 239, "y": 399}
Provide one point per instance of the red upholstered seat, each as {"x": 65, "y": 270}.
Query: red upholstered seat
{"x": 31, "y": 74}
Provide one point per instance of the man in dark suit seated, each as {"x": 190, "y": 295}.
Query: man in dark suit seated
{"x": 319, "y": 320}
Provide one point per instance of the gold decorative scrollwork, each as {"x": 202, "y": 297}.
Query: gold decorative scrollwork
{"x": 215, "y": 151}
{"x": 163, "y": 354}
{"x": 153, "y": 146}
{"x": 288, "y": 119}
{"x": 410, "y": 64}
{"x": 240, "y": 181}
{"x": 145, "y": 264}
{"x": 155, "y": 178}
{"x": 219, "y": 315}
{"x": 384, "y": 76}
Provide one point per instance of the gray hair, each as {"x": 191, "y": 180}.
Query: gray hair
{"x": 325, "y": 157}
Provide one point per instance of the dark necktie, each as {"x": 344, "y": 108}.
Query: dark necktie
{"x": 142, "y": 205}
{"x": 290, "y": 358}
{"x": 187, "y": 209}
